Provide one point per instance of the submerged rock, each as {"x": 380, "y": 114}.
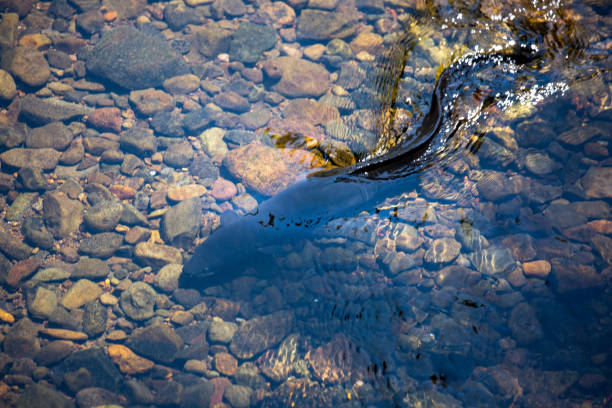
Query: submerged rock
{"x": 134, "y": 59}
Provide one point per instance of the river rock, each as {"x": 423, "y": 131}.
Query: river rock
{"x": 128, "y": 361}
{"x": 261, "y": 333}
{"x": 45, "y": 159}
{"x": 14, "y": 248}
{"x": 102, "y": 372}
{"x": 97, "y": 397}
{"x": 102, "y": 245}
{"x": 106, "y": 119}
{"x": 138, "y": 301}
{"x": 231, "y": 101}
{"x": 104, "y": 216}
{"x": 156, "y": 255}
{"x": 494, "y": 186}
{"x": 223, "y": 189}
{"x": 177, "y": 15}
{"x": 40, "y": 111}
{"x": 238, "y": 395}
{"x": 311, "y": 111}
{"x": 182, "y": 84}
{"x": 43, "y": 304}
{"x": 139, "y": 141}
{"x": 268, "y": 170}
{"x": 90, "y": 268}
{"x": 55, "y": 135}
{"x": 221, "y": 331}
{"x": 94, "y": 319}
{"x": 442, "y": 250}
{"x": 82, "y": 292}
{"x": 324, "y": 25}
{"x": 8, "y": 89}
{"x": 540, "y": 164}
{"x": 493, "y": 260}
{"x": 150, "y": 101}
{"x": 51, "y": 274}
{"x": 38, "y": 395}
{"x": 597, "y": 182}
{"x": 198, "y": 119}
{"x": 213, "y": 39}
{"x": 538, "y": 269}
{"x": 12, "y": 135}
{"x": 250, "y": 40}
{"x": 298, "y": 78}
{"x": 21, "y": 340}
{"x": 167, "y": 277}
{"x": 27, "y": 64}
{"x": 158, "y": 342}
{"x": 524, "y": 323}
{"x": 54, "y": 352}
{"x": 181, "y": 223}
{"x": 179, "y": 155}
{"x": 134, "y": 59}
{"x": 62, "y": 215}
{"x": 579, "y": 135}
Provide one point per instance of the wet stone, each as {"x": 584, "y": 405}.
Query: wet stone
{"x": 324, "y": 25}
{"x": 167, "y": 277}
{"x": 45, "y": 159}
{"x": 233, "y": 8}
{"x": 197, "y": 395}
{"x": 534, "y": 134}
{"x": 94, "y": 360}
{"x": 26, "y": 64}
{"x": 21, "y": 340}
{"x": 43, "y": 304}
{"x": 597, "y": 182}
{"x": 54, "y": 352}
{"x": 298, "y": 78}
{"x": 212, "y": 142}
{"x": 179, "y": 155}
{"x": 158, "y": 342}
{"x": 250, "y": 339}
{"x": 232, "y": 101}
{"x": 82, "y": 292}
{"x": 182, "y": 84}
{"x": 493, "y": 260}
{"x": 494, "y": 186}
{"x": 90, "y": 22}
{"x": 40, "y": 111}
{"x": 104, "y": 216}
{"x": 138, "y": 301}
{"x": 51, "y": 274}
{"x": 55, "y": 135}
{"x": 181, "y": 222}
{"x": 603, "y": 244}
{"x": 539, "y": 269}
{"x": 185, "y": 192}
{"x": 38, "y": 395}
{"x": 102, "y": 245}
{"x": 156, "y": 255}
{"x": 33, "y": 179}
{"x": 221, "y": 331}
{"x": 128, "y": 361}
{"x": 94, "y": 319}
{"x": 134, "y": 59}
{"x": 579, "y": 135}
{"x": 20, "y": 206}
{"x": 168, "y": 123}
{"x": 197, "y": 119}
{"x": 177, "y": 15}
{"x": 106, "y": 119}
{"x": 250, "y": 40}
{"x": 22, "y": 269}
{"x": 540, "y": 164}
{"x": 14, "y": 248}
{"x": 12, "y": 136}
{"x": 442, "y": 250}
{"x": 150, "y": 101}
{"x": 521, "y": 246}
{"x": 95, "y": 397}
{"x": 238, "y": 396}
{"x": 213, "y": 39}
{"x": 223, "y": 189}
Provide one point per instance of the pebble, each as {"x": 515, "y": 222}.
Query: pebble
{"x": 186, "y": 192}
{"x": 442, "y": 250}
{"x": 104, "y": 216}
{"x": 324, "y": 25}
{"x": 182, "y": 84}
{"x": 46, "y": 110}
{"x": 108, "y": 299}
{"x": 64, "y": 334}
{"x": 54, "y": 135}
{"x": 156, "y": 255}
{"x": 597, "y": 182}
{"x": 150, "y": 62}
{"x": 106, "y": 119}
{"x": 6, "y": 317}
{"x": 158, "y": 342}
{"x": 181, "y": 223}
{"x": 250, "y": 339}
{"x": 83, "y": 291}
{"x": 43, "y": 304}
{"x": 238, "y": 396}
{"x": 128, "y": 361}
{"x": 138, "y": 301}
{"x": 45, "y": 158}
{"x": 539, "y": 269}
{"x": 221, "y": 331}
{"x": 249, "y": 42}
{"x": 540, "y": 164}
{"x": 223, "y": 189}
{"x": 150, "y": 101}
{"x": 298, "y": 77}
{"x": 27, "y": 64}
{"x": 167, "y": 277}
{"x": 8, "y": 89}
{"x": 212, "y": 142}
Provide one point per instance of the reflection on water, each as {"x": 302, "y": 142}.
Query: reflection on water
{"x": 426, "y": 189}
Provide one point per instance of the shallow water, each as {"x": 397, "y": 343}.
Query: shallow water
{"x": 434, "y": 194}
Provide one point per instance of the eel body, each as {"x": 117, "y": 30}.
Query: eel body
{"x": 297, "y": 211}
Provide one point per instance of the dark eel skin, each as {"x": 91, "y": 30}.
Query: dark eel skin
{"x": 297, "y": 211}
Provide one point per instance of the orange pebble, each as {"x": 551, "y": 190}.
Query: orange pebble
{"x": 110, "y": 16}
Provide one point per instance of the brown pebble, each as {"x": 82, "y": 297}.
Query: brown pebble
{"x": 226, "y": 364}
{"x": 64, "y": 334}
{"x": 128, "y": 361}
{"x": 538, "y": 269}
